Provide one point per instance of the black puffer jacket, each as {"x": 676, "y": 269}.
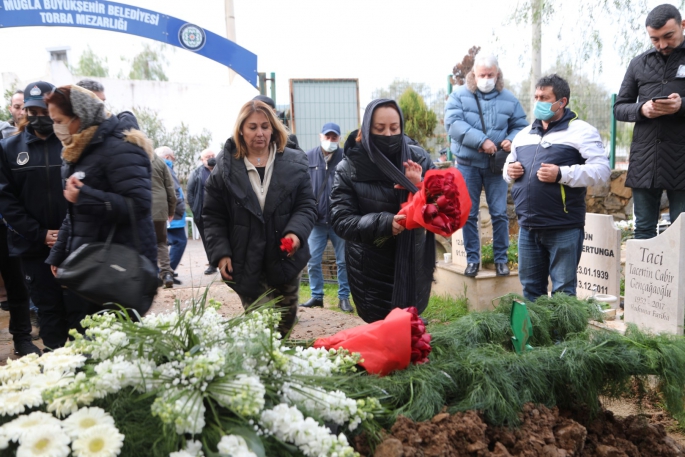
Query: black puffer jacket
{"x": 657, "y": 153}
{"x": 31, "y": 197}
{"x": 236, "y": 227}
{"x": 115, "y": 167}
{"x": 363, "y": 204}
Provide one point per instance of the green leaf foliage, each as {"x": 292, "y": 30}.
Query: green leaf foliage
{"x": 419, "y": 120}
{"x": 149, "y": 64}
{"x": 90, "y": 64}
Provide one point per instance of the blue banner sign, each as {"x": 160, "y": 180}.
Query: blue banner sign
{"x": 118, "y": 17}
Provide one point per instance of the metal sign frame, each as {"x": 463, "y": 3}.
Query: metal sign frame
{"x": 119, "y": 17}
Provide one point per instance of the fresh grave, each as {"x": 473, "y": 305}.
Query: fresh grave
{"x": 654, "y": 287}
{"x": 191, "y": 383}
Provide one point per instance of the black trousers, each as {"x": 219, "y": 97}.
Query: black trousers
{"x": 201, "y": 228}
{"x": 60, "y": 309}
{"x": 17, "y": 295}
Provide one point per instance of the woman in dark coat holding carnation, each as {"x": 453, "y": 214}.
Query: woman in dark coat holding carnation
{"x": 258, "y": 193}
{"x": 388, "y": 267}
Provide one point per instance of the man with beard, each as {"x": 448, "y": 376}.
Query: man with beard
{"x": 651, "y": 97}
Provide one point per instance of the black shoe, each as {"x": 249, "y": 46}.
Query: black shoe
{"x": 471, "y": 270}
{"x": 175, "y": 275}
{"x": 177, "y": 281}
{"x": 168, "y": 279}
{"x": 210, "y": 270}
{"x": 5, "y": 306}
{"x": 502, "y": 269}
{"x": 313, "y": 303}
{"x": 344, "y": 304}
{"x": 25, "y": 347}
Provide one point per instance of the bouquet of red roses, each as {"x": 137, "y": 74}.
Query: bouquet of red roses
{"x": 441, "y": 205}
{"x": 387, "y": 345}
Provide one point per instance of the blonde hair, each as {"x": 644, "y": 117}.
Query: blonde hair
{"x": 279, "y": 137}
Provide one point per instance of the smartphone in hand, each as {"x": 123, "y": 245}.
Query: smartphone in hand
{"x": 660, "y": 97}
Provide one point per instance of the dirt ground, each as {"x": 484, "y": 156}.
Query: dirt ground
{"x": 543, "y": 432}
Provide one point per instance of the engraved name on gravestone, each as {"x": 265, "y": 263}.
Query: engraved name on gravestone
{"x": 654, "y": 271}
{"x": 458, "y": 251}
{"x": 600, "y": 264}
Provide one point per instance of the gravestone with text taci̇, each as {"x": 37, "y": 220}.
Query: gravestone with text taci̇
{"x": 654, "y": 287}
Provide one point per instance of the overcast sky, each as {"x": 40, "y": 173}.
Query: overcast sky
{"x": 373, "y": 40}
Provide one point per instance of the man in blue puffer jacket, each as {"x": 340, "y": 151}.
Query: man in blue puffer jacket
{"x": 473, "y": 145}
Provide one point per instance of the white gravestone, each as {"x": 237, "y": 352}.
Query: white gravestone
{"x": 458, "y": 251}
{"x": 600, "y": 264}
{"x": 655, "y": 289}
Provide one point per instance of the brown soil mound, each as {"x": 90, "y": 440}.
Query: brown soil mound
{"x": 543, "y": 432}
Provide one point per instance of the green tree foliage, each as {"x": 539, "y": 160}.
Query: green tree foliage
{"x": 90, "y": 64}
{"x": 5, "y": 112}
{"x": 149, "y": 64}
{"x": 435, "y": 101}
{"x": 618, "y": 22}
{"x": 419, "y": 120}
{"x": 186, "y": 146}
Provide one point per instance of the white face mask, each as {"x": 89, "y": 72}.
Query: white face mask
{"x": 62, "y": 132}
{"x": 485, "y": 85}
{"x": 329, "y": 146}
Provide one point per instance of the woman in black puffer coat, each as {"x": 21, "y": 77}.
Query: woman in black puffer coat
{"x": 387, "y": 266}
{"x": 104, "y": 164}
{"x": 258, "y": 193}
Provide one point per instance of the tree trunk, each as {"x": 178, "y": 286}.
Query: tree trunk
{"x": 536, "y": 49}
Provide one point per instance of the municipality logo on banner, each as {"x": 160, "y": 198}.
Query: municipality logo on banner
{"x": 191, "y": 37}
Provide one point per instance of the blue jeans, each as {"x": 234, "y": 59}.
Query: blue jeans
{"x": 549, "y": 253}
{"x": 317, "y": 244}
{"x": 177, "y": 241}
{"x": 647, "y": 213}
{"x": 496, "y": 195}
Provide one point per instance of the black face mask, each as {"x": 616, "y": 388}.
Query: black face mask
{"x": 211, "y": 162}
{"x": 42, "y": 125}
{"x": 388, "y": 145}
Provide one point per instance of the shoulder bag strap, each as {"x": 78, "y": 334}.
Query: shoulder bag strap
{"x": 480, "y": 112}
{"x": 134, "y": 226}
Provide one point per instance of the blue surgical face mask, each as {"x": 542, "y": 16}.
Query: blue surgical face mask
{"x": 543, "y": 110}
{"x": 169, "y": 163}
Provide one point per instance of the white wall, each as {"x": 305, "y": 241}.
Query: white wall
{"x": 212, "y": 106}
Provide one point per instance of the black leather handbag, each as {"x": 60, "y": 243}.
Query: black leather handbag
{"x": 495, "y": 161}
{"x": 110, "y": 274}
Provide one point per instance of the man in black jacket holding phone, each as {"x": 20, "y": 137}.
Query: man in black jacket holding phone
{"x": 651, "y": 97}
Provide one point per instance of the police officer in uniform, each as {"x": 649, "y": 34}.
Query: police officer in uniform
{"x": 33, "y": 205}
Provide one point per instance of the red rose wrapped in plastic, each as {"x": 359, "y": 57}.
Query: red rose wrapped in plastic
{"x": 387, "y": 345}
{"x": 287, "y": 245}
{"x": 441, "y": 205}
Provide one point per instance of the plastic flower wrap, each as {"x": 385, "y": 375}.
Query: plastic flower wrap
{"x": 441, "y": 205}
{"x": 386, "y": 345}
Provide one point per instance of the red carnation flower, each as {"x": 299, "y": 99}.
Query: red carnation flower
{"x": 287, "y": 245}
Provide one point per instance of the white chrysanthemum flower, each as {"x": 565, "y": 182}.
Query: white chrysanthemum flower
{"x": 49, "y": 441}
{"x": 63, "y": 360}
{"x": 235, "y": 446}
{"x": 50, "y": 380}
{"x": 84, "y": 419}
{"x": 193, "y": 449}
{"x": 98, "y": 441}
{"x": 25, "y": 424}
{"x": 4, "y": 440}
{"x": 13, "y": 403}
{"x": 18, "y": 368}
